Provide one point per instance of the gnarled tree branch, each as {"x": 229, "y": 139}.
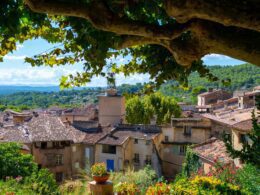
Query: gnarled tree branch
{"x": 102, "y": 18}
{"x": 240, "y": 13}
{"x": 219, "y": 28}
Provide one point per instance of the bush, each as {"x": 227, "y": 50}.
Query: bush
{"x": 204, "y": 185}
{"x": 159, "y": 188}
{"x": 142, "y": 178}
{"x": 249, "y": 178}
{"x": 42, "y": 182}
{"x": 13, "y": 163}
{"x": 74, "y": 187}
{"x": 12, "y": 186}
{"x": 19, "y": 174}
{"x": 124, "y": 188}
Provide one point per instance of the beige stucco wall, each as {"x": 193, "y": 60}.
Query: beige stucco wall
{"x": 198, "y": 135}
{"x": 172, "y": 161}
{"x": 235, "y": 139}
{"x": 40, "y": 157}
{"x": 103, "y": 157}
{"x": 111, "y": 109}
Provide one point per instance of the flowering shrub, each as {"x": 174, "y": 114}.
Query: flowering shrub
{"x": 99, "y": 169}
{"x": 159, "y": 189}
{"x": 204, "y": 185}
{"x": 126, "y": 188}
{"x": 225, "y": 173}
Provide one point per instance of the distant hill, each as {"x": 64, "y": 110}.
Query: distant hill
{"x": 5, "y": 89}
{"x": 244, "y": 76}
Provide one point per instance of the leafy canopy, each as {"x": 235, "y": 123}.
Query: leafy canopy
{"x": 141, "y": 110}
{"x": 77, "y": 40}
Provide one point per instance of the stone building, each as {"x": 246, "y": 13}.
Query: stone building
{"x": 56, "y": 145}
{"x": 205, "y": 100}
{"x": 111, "y": 108}
{"x": 130, "y": 146}
{"x": 177, "y": 136}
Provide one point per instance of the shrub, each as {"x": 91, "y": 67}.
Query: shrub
{"x": 13, "y": 163}
{"x": 159, "y": 188}
{"x": 42, "y": 182}
{"x": 14, "y": 187}
{"x": 249, "y": 178}
{"x": 124, "y": 188}
{"x": 142, "y": 178}
{"x": 74, "y": 187}
{"x": 204, "y": 185}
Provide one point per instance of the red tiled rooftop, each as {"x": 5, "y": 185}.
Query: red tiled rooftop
{"x": 211, "y": 150}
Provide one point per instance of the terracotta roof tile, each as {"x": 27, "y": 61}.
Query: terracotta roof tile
{"x": 213, "y": 149}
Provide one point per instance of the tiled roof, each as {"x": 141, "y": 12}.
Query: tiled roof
{"x": 88, "y": 110}
{"x": 46, "y": 127}
{"x": 244, "y": 125}
{"x": 211, "y": 150}
{"x": 230, "y": 117}
{"x": 94, "y": 137}
{"x": 208, "y": 92}
{"x": 118, "y": 137}
{"x": 14, "y": 134}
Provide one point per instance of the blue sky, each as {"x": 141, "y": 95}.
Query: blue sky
{"x": 14, "y": 71}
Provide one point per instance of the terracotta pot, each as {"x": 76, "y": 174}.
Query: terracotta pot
{"x": 101, "y": 179}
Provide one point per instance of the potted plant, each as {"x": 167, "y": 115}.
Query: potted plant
{"x": 99, "y": 172}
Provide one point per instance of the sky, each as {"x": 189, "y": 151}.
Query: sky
{"x": 14, "y": 71}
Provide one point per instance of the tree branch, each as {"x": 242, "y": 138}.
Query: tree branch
{"x": 243, "y": 14}
{"x": 102, "y": 18}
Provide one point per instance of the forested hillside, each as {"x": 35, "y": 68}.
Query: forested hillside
{"x": 242, "y": 77}
{"x": 36, "y": 99}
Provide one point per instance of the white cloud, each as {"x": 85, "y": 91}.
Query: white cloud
{"x": 31, "y": 76}
{"x": 14, "y": 57}
{"x": 216, "y": 57}
{"x": 19, "y": 46}
{"x": 50, "y": 76}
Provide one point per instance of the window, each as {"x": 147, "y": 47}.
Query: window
{"x": 109, "y": 149}
{"x": 136, "y": 141}
{"x": 148, "y": 160}
{"x": 59, "y": 176}
{"x": 43, "y": 145}
{"x": 242, "y": 138}
{"x": 56, "y": 144}
{"x": 59, "y": 159}
{"x": 251, "y": 97}
{"x": 166, "y": 138}
{"x": 148, "y": 142}
{"x": 187, "y": 131}
{"x": 182, "y": 150}
{"x": 136, "y": 158}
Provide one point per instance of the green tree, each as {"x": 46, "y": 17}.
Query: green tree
{"x": 165, "y": 38}
{"x": 137, "y": 112}
{"x": 250, "y": 152}
{"x": 191, "y": 163}
{"x": 142, "y": 109}
{"x": 13, "y": 163}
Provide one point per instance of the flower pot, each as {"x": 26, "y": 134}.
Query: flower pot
{"x": 101, "y": 179}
